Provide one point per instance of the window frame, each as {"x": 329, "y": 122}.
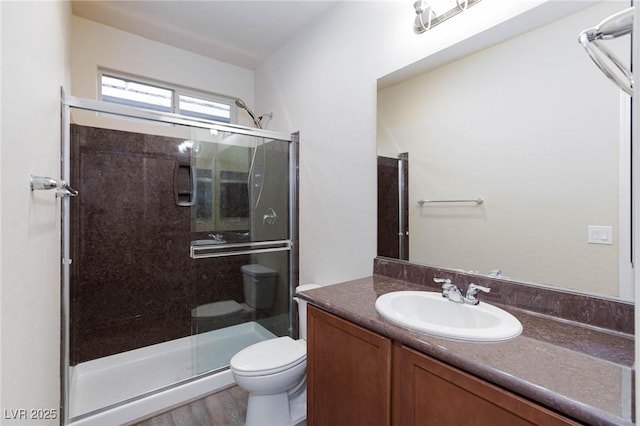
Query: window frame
{"x": 176, "y": 92}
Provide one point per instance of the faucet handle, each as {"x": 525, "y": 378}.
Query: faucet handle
{"x": 446, "y": 284}
{"x": 216, "y": 236}
{"x": 472, "y": 290}
{"x": 448, "y": 288}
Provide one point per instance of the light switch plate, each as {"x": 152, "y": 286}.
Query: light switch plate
{"x": 600, "y": 235}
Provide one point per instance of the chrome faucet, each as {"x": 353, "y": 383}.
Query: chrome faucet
{"x": 453, "y": 293}
{"x": 216, "y": 237}
{"x": 449, "y": 290}
{"x": 472, "y": 290}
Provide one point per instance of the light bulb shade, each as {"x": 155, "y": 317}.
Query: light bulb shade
{"x": 420, "y": 6}
{"x": 430, "y": 13}
{"x": 424, "y": 16}
{"x": 418, "y": 26}
{"x": 462, "y": 4}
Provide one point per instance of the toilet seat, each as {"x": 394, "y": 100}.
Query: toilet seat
{"x": 216, "y": 309}
{"x": 269, "y": 357}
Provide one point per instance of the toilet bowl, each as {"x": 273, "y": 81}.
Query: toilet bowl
{"x": 273, "y": 372}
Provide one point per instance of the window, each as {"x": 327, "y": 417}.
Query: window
{"x": 124, "y": 91}
{"x": 202, "y": 108}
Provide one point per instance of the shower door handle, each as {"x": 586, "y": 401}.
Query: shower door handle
{"x": 184, "y": 184}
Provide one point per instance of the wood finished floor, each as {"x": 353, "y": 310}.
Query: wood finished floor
{"x": 226, "y": 408}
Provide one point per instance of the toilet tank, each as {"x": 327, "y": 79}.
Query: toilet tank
{"x": 302, "y": 309}
{"x": 259, "y": 284}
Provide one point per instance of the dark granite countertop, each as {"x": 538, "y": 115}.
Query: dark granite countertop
{"x": 580, "y": 371}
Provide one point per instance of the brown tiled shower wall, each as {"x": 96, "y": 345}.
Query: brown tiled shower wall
{"x": 133, "y": 282}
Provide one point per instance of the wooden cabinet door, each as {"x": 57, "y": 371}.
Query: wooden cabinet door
{"x": 348, "y": 373}
{"x": 428, "y": 392}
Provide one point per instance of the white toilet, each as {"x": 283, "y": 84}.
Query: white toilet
{"x": 273, "y": 372}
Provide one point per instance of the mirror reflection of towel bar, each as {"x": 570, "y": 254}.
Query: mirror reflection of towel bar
{"x": 477, "y": 201}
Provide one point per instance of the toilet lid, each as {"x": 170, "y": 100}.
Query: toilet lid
{"x": 258, "y": 270}
{"x": 269, "y": 357}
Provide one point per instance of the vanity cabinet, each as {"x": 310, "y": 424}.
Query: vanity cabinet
{"x": 427, "y": 391}
{"x": 358, "y": 377}
{"x": 348, "y": 373}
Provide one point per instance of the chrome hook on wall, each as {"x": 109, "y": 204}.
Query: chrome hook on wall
{"x": 45, "y": 183}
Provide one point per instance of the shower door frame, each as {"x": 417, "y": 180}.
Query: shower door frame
{"x": 69, "y": 102}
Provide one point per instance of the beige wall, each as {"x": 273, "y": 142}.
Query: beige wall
{"x": 324, "y": 84}
{"x": 533, "y": 128}
{"x": 97, "y": 46}
{"x": 35, "y": 57}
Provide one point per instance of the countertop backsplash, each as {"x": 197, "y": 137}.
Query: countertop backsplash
{"x": 600, "y": 312}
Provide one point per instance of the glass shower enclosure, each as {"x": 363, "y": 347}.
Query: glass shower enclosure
{"x": 177, "y": 252}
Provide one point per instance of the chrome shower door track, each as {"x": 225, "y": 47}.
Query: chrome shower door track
{"x": 163, "y": 117}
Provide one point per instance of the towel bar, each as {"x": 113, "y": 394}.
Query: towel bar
{"x": 477, "y": 201}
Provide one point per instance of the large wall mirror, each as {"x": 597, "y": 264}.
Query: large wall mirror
{"x": 532, "y": 128}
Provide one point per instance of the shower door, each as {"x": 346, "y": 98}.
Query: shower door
{"x": 239, "y": 222}
{"x": 172, "y": 218}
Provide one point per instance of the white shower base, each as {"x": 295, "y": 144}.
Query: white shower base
{"x": 141, "y": 381}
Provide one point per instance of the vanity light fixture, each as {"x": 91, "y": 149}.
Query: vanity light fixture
{"x": 430, "y": 13}
{"x": 423, "y": 13}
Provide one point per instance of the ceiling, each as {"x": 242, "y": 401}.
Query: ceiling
{"x": 242, "y": 33}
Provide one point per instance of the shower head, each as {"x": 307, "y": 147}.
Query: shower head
{"x": 240, "y": 104}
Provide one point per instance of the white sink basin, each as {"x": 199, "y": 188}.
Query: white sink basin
{"x": 429, "y": 312}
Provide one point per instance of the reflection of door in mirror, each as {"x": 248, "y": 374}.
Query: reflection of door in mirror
{"x": 393, "y": 216}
